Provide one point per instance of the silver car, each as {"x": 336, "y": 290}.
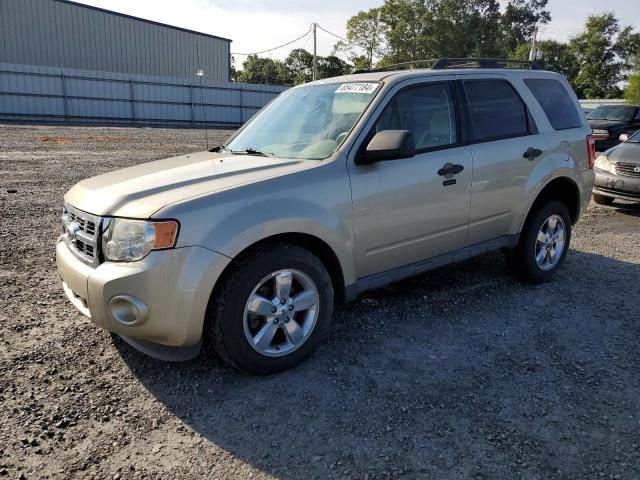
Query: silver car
{"x": 336, "y": 187}
{"x": 618, "y": 172}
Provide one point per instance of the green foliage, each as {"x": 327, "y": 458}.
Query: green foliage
{"x": 595, "y": 61}
{"x": 518, "y": 20}
{"x": 632, "y": 93}
{"x": 603, "y": 52}
{"x": 594, "y": 50}
{"x": 263, "y": 70}
{"x": 300, "y": 66}
{"x": 297, "y": 68}
{"x": 365, "y": 32}
{"x": 422, "y": 29}
{"x": 332, "y": 66}
{"x": 559, "y": 57}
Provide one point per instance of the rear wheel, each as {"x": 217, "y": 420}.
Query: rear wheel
{"x": 602, "y": 200}
{"x": 272, "y": 310}
{"x": 544, "y": 243}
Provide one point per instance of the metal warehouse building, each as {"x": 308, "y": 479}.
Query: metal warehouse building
{"x": 61, "y": 61}
{"x": 59, "y": 33}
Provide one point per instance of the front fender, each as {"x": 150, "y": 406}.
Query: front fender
{"x": 315, "y": 202}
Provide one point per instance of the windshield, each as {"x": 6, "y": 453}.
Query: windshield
{"x": 308, "y": 122}
{"x": 615, "y": 113}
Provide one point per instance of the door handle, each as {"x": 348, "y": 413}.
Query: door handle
{"x": 532, "y": 153}
{"x": 449, "y": 170}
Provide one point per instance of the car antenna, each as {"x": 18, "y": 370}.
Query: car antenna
{"x": 200, "y": 74}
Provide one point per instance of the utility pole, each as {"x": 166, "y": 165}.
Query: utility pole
{"x": 315, "y": 56}
{"x": 534, "y": 48}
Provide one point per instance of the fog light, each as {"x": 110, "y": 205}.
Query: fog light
{"x": 127, "y": 310}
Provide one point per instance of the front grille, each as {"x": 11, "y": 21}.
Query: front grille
{"x": 628, "y": 169}
{"x": 86, "y": 225}
{"x": 80, "y": 231}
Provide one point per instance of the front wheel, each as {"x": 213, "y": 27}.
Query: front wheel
{"x": 544, "y": 243}
{"x": 272, "y": 310}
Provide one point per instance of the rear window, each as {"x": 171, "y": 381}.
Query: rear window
{"x": 497, "y": 111}
{"x": 556, "y": 103}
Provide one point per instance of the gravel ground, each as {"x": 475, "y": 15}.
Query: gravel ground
{"x": 461, "y": 373}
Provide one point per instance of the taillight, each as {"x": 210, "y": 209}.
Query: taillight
{"x": 591, "y": 150}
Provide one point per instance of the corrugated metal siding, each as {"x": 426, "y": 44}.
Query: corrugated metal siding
{"x": 61, "y": 34}
{"x": 30, "y": 92}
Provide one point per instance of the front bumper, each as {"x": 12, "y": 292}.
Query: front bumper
{"x": 616, "y": 186}
{"x": 174, "y": 285}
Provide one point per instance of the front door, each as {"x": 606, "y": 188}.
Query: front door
{"x": 415, "y": 208}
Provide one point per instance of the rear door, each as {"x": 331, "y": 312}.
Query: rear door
{"x": 411, "y": 209}
{"x": 506, "y": 148}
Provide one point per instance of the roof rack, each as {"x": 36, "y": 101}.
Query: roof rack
{"x": 444, "y": 63}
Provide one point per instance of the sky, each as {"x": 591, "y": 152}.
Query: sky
{"x": 255, "y": 25}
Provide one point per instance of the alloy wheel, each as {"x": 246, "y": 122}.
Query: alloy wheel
{"x": 281, "y": 312}
{"x": 550, "y": 242}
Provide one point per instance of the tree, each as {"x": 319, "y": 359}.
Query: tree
{"x": 559, "y": 57}
{"x": 300, "y": 65}
{"x": 332, "y": 66}
{"x": 464, "y": 28}
{"x": 632, "y": 93}
{"x": 597, "y": 54}
{"x": 423, "y": 29}
{"x": 360, "y": 62}
{"x": 364, "y": 30}
{"x": 628, "y": 49}
{"x": 519, "y": 19}
{"x": 264, "y": 70}
{"x": 404, "y": 30}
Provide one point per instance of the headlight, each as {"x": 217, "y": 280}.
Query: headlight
{"x": 131, "y": 240}
{"x": 600, "y": 134}
{"x": 603, "y": 163}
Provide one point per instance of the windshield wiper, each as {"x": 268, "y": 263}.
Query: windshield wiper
{"x": 252, "y": 151}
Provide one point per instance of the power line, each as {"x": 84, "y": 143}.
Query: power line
{"x": 559, "y": 29}
{"x": 339, "y": 37}
{"x": 276, "y": 48}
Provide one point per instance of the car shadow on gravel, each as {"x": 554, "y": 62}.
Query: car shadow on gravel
{"x": 632, "y": 209}
{"x": 461, "y": 373}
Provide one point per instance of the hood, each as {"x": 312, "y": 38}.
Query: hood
{"x": 139, "y": 191}
{"x": 625, "y": 152}
{"x": 605, "y": 124}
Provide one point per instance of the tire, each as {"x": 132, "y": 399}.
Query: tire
{"x": 602, "y": 200}
{"x": 231, "y": 328}
{"x": 523, "y": 259}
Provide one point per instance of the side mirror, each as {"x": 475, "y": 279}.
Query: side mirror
{"x": 623, "y": 137}
{"x": 388, "y": 145}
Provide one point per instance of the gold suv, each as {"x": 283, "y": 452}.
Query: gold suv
{"x": 336, "y": 187}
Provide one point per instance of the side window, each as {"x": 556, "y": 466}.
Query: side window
{"x": 427, "y": 110}
{"x": 556, "y": 103}
{"x": 496, "y": 110}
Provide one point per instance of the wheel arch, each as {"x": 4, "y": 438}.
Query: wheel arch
{"x": 312, "y": 243}
{"x": 563, "y": 189}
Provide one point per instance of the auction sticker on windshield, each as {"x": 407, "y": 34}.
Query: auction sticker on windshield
{"x": 360, "y": 87}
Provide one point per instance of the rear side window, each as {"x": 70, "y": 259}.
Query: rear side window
{"x": 496, "y": 110}
{"x": 556, "y": 102}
